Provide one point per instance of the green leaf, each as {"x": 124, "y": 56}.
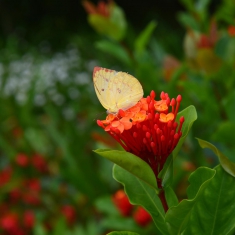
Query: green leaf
{"x": 228, "y": 104}
{"x": 221, "y": 47}
{"x": 105, "y": 205}
{"x": 225, "y": 162}
{"x": 39, "y": 229}
{"x": 190, "y": 116}
{"x": 214, "y": 213}
{"x": 178, "y": 216}
{"x": 122, "y": 233}
{"x": 118, "y": 17}
{"x": 166, "y": 174}
{"x": 113, "y": 27}
{"x": 188, "y": 21}
{"x": 118, "y": 223}
{"x": 140, "y": 193}
{"x": 115, "y": 50}
{"x": 201, "y": 5}
{"x": 144, "y": 37}
{"x": 60, "y": 226}
{"x": 131, "y": 163}
{"x": 225, "y": 133}
{"x": 171, "y": 197}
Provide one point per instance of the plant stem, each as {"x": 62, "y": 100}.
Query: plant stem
{"x": 163, "y": 200}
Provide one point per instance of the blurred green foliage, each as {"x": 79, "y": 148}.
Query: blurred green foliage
{"x": 48, "y": 106}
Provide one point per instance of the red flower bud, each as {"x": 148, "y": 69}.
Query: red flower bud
{"x": 142, "y": 217}
{"x": 122, "y": 203}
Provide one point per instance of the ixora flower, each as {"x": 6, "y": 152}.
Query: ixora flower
{"x": 106, "y": 18}
{"x": 102, "y": 8}
{"x": 148, "y": 129}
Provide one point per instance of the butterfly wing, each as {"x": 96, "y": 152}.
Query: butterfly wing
{"x": 116, "y": 90}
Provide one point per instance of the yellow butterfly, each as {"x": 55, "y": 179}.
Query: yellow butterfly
{"x": 116, "y": 90}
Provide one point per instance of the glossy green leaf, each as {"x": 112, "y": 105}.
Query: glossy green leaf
{"x": 225, "y": 162}
{"x": 144, "y": 37}
{"x": 140, "y": 193}
{"x": 171, "y": 197}
{"x": 214, "y": 213}
{"x": 178, "y": 216}
{"x": 190, "y": 116}
{"x": 114, "y": 49}
{"x": 122, "y": 233}
{"x": 166, "y": 173}
{"x": 131, "y": 163}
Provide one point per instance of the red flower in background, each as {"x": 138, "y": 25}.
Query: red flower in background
{"x": 5, "y": 175}
{"x": 102, "y": 8}
{"x": 9, "y": 222}
{"x": 22, "y": 160}
{"x": 69, "y": 212}
{"x": 231, "y": 31}
{"x": 209, "y": 40}
{"x": 122, "y": 203}
{"x": 149, "y": 129}
{"x": 15, "y": 195}
{"x": 142, "y": 217}
{"x": 39, "y": 162}
{"x": 32, "y": 195}
{"x": 28, "y": 219}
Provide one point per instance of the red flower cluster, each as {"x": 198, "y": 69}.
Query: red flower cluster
{"x": 13, "y": 224}
{"x": 37, "y": 161}
{"x": 209, "y": 40}
{"x": 148, "y": 129}
{"x": 69, "y": 213}
{"x": 140, "y": 215}
{"x": 23, "y": 195}
{"x": 102, "y": 8}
